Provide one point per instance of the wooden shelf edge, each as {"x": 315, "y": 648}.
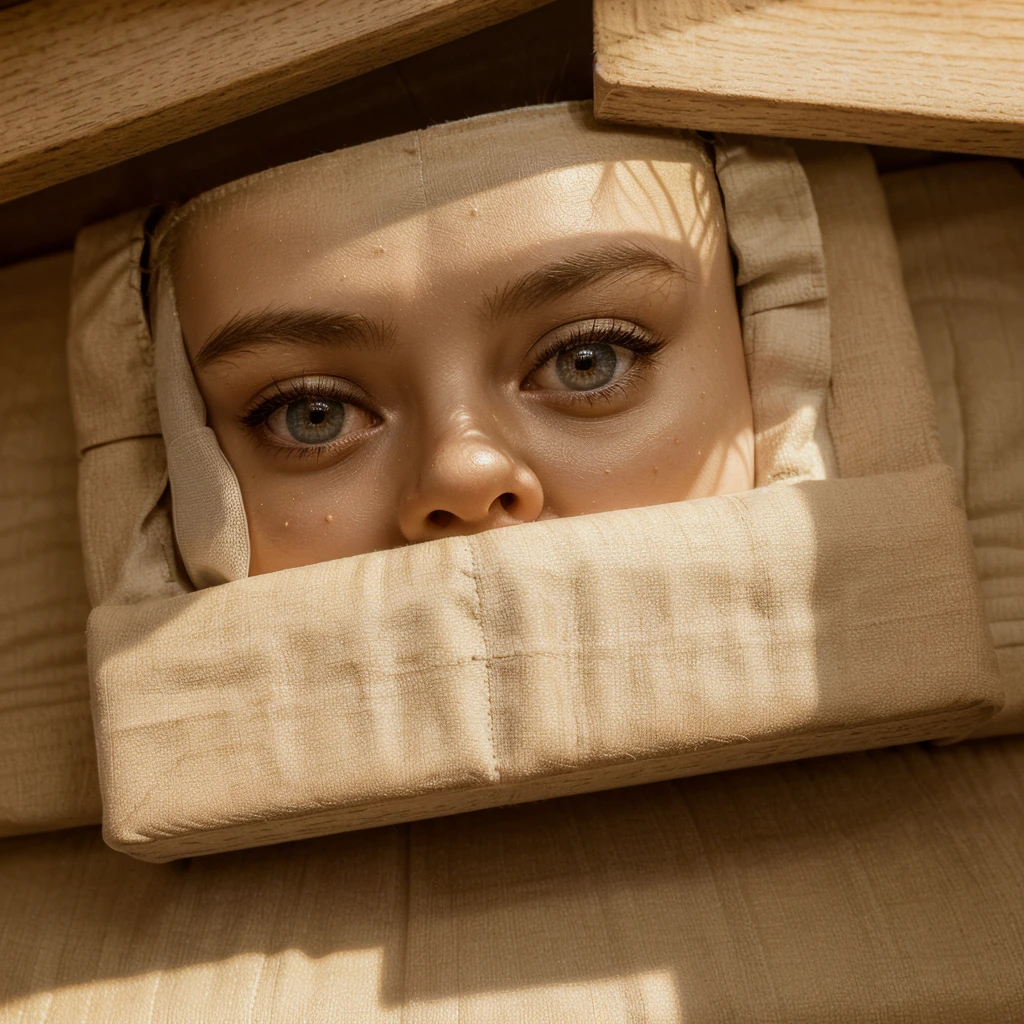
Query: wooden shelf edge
{"x": 627, "y": 103}
{"x": 87, "y": 147}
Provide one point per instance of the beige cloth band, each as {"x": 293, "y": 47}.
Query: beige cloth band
{"x": 209, "y": 517}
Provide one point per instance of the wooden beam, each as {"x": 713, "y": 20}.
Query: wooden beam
{"x": 88, "y": 84}
{"x": 933, "y": 74}
{"x": 545, "y": 55}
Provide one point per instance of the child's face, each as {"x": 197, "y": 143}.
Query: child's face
{"x": 563, "y": 344}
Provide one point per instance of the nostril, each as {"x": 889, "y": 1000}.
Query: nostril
{"x": 440, "y": 518}
{"x": 507, "y": 500}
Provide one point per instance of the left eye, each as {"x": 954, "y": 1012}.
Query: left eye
{"x": 312, "y": 420}
{"x": 583, "y": 367}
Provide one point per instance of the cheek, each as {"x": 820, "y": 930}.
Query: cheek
{"x": 647, "y": 463}
{"x": 691, "y": 438}
{"x": 305, "y": 517}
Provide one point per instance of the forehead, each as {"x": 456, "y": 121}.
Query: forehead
{"x": 457, "y": 202}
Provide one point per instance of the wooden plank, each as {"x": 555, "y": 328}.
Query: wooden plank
{"x": 934, "y": 74}
{"x": 88, "y": 84}
{"x": 545, "y": 55}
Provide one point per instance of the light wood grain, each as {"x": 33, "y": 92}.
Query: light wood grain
{"x": 88, "y": 84}
{"x": 543, "y": 56}
{"x": 942, "y": 74}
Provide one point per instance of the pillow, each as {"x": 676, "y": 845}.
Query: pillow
{"x": 805, "y": 617}
{"x": 960, "y": 229}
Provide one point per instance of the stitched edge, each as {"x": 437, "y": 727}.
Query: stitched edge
{"x": 474, "y": 575}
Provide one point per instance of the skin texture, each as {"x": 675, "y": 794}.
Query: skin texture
{"x": 426, "y": 337}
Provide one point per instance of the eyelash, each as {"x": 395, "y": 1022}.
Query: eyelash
{"x": 292, "y": 391}
{"x": 312, "y": 386}
{"x": 623, "y": 333}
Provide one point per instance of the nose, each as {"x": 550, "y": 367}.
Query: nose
{"x": 469, "y": 482}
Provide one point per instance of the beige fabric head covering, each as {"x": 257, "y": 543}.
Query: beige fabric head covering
{"x": 209, "y": 517}
{"x": 773, "y": 231}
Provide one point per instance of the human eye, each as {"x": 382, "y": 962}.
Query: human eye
{"x": 308, "y": 415}
{"x": 592, "y": 358}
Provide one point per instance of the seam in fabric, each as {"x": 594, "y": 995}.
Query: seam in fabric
{"x": 117, "y": 440}
{"x": 963, "y": 463}
{"x": 478, "y": 618}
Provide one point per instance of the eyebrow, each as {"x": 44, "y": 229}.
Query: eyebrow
{"x": 575, "y": 271}
{"x": 290, "y": 327}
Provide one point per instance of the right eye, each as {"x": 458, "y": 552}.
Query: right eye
{"x": 307, "y": 414}
{"x": 312, "y": 420}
